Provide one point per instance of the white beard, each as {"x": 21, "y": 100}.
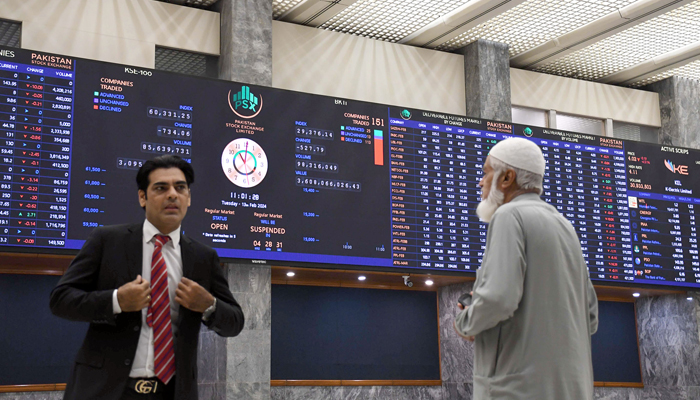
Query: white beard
{"x": 489, "y": 205}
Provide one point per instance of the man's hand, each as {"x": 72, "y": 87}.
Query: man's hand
{"x": 192, "y": 296}
{"x": 469, "y": 338}
{"x": 134, "y": 295}
{"x": 461, "y": 307}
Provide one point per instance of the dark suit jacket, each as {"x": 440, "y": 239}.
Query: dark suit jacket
{"x": 111, "y": 257}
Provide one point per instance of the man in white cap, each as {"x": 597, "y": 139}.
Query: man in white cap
{"x": 534, "y": 308}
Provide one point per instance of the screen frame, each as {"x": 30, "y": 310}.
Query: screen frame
{"x": 62, "y": 252}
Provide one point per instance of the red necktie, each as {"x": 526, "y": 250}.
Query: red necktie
{"x": 158, "y": 316}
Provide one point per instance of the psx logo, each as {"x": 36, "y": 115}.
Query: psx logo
{"x": 244, "y": 103}
{"x": 680, "y": 169}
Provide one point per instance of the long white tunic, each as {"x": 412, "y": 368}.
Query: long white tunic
{"x": 534, "y": 308}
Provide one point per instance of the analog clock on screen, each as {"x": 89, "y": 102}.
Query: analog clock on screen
{"x": 244, "y": 162}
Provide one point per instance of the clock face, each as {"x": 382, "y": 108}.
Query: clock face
{"x": 244, "y": 162}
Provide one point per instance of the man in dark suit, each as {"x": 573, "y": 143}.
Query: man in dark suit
{"x": 145, "y": 289}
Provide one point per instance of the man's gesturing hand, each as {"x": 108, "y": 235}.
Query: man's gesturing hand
{"x": 134, "y": 295}
{"x": 190, "y": 295}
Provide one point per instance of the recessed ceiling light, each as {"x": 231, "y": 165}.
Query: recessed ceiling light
{"x": 361, "y": 277}
{"x": 428, "y": 282}
{"x": 631, "y": 46}
{"x": 290, "y": 273}
{"x": 375, "y": 19}
{"x": 689, "y": 298}
{"x": 548, "y": 18}
{"x": 635, "y": 294}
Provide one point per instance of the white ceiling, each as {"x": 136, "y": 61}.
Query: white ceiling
{"x": 624, "y": 42}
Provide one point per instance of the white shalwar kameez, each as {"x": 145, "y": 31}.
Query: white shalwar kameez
{"x": 534, "y": 308}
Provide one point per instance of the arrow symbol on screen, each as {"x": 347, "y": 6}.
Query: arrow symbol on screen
{"x": 25, "y": 127}
{"x": 22, "y": 178}
{"x": 20, "y": 204}
{"x": 26, "y": 102}
{"x": 26, "y": 119}
{"x": 22, "y": 187}
{"x": 24, "y": 161}
{"x": 24, "y": 152}
{"x": 26, "y": 110}
{"x": 25, "y": 136}
{"x": 23, "y": 169}
{"x": 19, "y": 222}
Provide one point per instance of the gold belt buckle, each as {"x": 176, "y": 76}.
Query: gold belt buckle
{"x": 144, "y": 386}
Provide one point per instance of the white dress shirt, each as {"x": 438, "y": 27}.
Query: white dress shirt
{"x": 142, "y": 367}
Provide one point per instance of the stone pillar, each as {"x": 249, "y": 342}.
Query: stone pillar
{"x": 456, "y": 354}
{"x": 552, "y": 119}
{"x": 248, "y": 355}
{"x": 32, "y": 396}
{"x": 211, "y": 365}
{"x": 487, "y": 80}
{"x": 669, "y": 350}
{"x": 609, "y": 131}
{"x": 679, "y": 101}
{"x": 239, "y": 368}
{"x": 246, "y": 41}
{"x": 669, "y": 344}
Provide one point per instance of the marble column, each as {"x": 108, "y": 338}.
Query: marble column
{"x": 457, "y": 354}
{"x": 669, "y": 350}
{"x": 679, "y": 101}
{"x": 669, "y": 347}
{"x": 211, "y": 365}
{"x": 487, "y": 80}
{"x": 669, "y": 343}
{"x": 242, "y": 364}
{"x": 239, "y": 367}
{"x": 552, "y": 119}
{"x": 248, "y": 355}
{"x": 246, "y": 41}
{"x": 32, "y": 396}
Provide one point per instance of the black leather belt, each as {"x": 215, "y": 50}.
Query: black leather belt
{"x": 146, "y": 385}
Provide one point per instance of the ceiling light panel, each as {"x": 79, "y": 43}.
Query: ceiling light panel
{"x": 536, "y": 21}
{"x": 10, "y": 33}
{"x": 200, "y": 3}
{"x": 389, "y": 20}
{"x": 183, "y": 62}
{"x": 191, "y": 3}
{"x": 574, "y": 123}
{"x": 628, "y": 132}
{"x": 279, "y": 7}
{"x": 690, "y": 71}
{"x": 642, "y": 42}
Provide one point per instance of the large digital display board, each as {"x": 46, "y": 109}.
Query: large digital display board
{"x": 291, "y": 177}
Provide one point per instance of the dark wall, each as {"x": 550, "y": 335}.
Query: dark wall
{"x": 335, "y": 333}
{"x": 36, "y": 347}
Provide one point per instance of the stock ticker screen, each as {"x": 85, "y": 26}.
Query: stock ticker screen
{"x": 290, "y": 177}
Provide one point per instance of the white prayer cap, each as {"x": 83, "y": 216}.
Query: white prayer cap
{"x": 519, "y": 153}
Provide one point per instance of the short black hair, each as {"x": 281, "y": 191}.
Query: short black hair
{"x": 165, "y": 161}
